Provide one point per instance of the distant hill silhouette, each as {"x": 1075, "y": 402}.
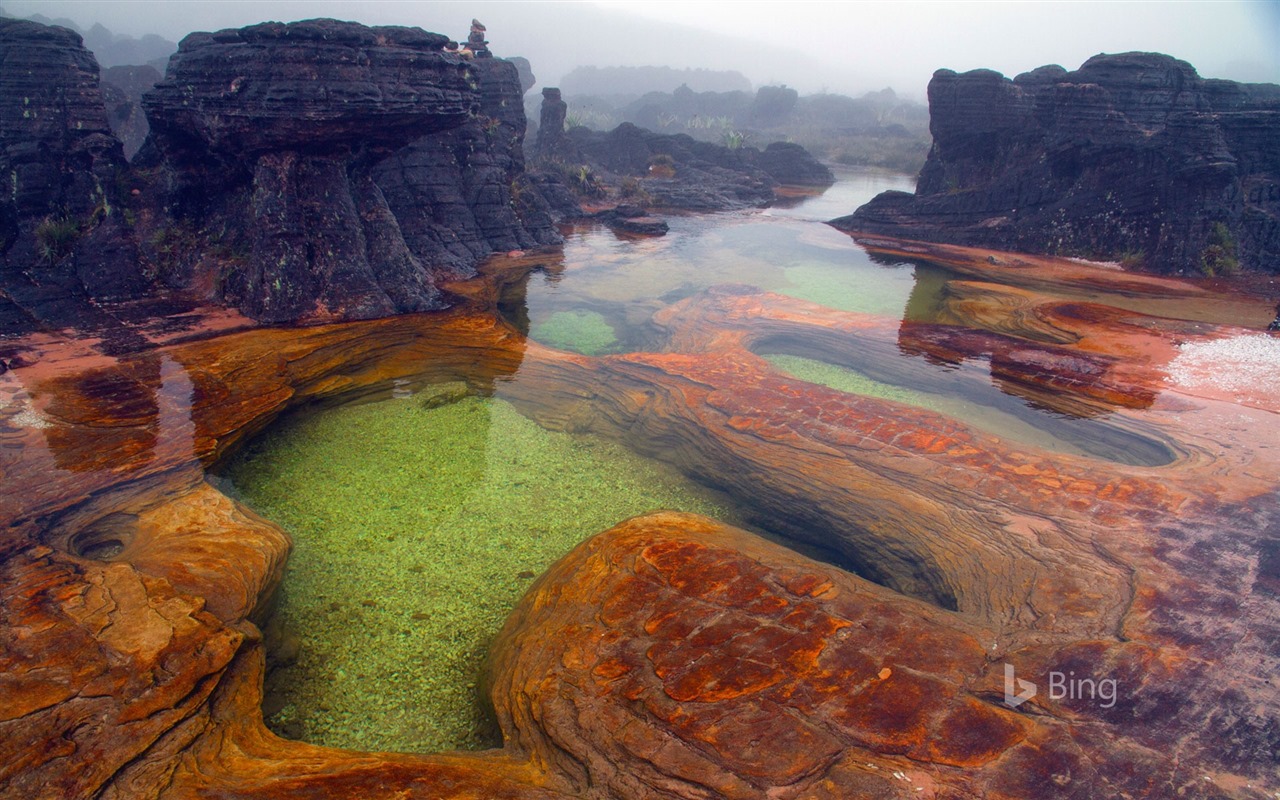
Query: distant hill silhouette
{"x": 114, "y": 49}
{"x": 636, "y": 81}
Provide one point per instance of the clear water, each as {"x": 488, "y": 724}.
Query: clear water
{"x": 620, "y": 281}
{"x": 417, "y": 528}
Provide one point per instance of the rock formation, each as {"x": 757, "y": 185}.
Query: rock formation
{"x": 527, "y": 79}
{"x": 262, "y": 183}
{"x": 275, "y": 129}
{"x": 462, "y": 194}
{"x": 791, "y": 165}
{"x": 1132, "y": 157}
{"x": 673, "y": 656}
{"x": 677, "y": 171}
{"x": 476, "y": 43}
{"x": 707, "y": 177}
{"x": 660, "y": 170}
{"x": 551, "y": 124}
{"x": 62, "y": 241}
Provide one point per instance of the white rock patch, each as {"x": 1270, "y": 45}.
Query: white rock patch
{"x": 1241, "y": 363}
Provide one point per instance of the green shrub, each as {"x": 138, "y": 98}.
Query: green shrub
{"x": 1219, "y": 255}
{"x": 1134, "y": 260}
{"x": 56, "y": 237}
{"x": 633, "y": 190}
{"x": 734, "y": 139}
{"x": 582, "y": 180}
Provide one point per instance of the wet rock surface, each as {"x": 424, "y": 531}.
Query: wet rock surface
{"x": 1131, "y": 157}
{"x": 672, "y": 655}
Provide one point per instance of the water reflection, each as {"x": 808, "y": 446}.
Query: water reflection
{"x": 113, "y": 419}
{"x": 606, "y": 289}
{"x": 854, "y": 186}
{"x": 626, "y": 281}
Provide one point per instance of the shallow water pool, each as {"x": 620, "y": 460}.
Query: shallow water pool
{"x": 420, "y": 520}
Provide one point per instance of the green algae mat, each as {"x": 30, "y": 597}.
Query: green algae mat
{"x": 416, "y": 530}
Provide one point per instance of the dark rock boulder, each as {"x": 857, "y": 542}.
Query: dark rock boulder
{"x": 633, "y": 220}
{"x": 792, "y": 165}
{"x": 63, "y": 243}
{"x": 1132, "y": 157}
{"x": 122, "y": 90}
{"x": 270, "y": 135}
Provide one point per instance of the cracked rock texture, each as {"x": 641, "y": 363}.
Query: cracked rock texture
{"x": 1132, "y": 156}
{"x": 63, "y": 242}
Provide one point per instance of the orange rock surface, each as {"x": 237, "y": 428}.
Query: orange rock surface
{"x": 673, "y": 656}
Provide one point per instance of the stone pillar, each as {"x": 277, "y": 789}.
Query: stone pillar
{"x": 550, "y": 124}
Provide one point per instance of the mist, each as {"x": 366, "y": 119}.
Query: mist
{"x": 847, "y": 48}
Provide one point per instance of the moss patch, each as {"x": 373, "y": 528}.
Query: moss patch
{"x": 416, "y": 531}
{"x": 585, "y": 332}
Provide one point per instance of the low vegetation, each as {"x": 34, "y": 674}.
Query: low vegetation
{"x": 56, "y": 238}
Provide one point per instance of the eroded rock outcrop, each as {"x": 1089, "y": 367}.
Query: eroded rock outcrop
{"x": 274, "y": 129}
{"x": 1132, "y": 157}
{"x": 335, "y": 170}
{"x": 551, "y": 121}
{"x": 637, "y": 166}
{"x": 462, "y": 194}
{"x": 62, "y": 239}
{"x": 677, "y": 171}
{"x": 262, "y": 182}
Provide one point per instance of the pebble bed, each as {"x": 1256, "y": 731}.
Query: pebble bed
{"x": 416, "y": 531}
{"x": 1240, "y": 363}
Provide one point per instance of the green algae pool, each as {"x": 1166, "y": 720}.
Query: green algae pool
{"x": 416, "y": 530}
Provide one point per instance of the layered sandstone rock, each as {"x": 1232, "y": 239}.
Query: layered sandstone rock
{"x": 62, "y": 243}
{"x": 1132, "y": 156}
{"x": 341, "y": 170}
{"x": 263, "y": 183}
{"x": 461, "y": 195}
{"x": 286, "y": 121}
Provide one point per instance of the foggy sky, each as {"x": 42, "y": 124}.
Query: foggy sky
{"x": 835, "y": 46}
